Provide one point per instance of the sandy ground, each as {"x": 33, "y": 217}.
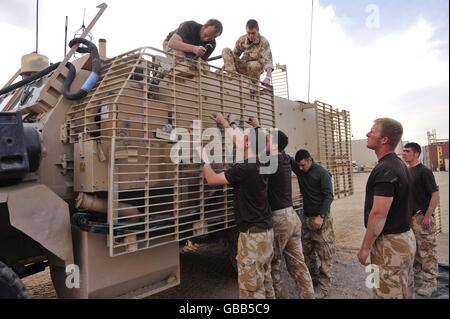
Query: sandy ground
{"x": 207, "y": 273}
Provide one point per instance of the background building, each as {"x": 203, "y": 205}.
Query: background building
{"x": 435, "y": 154}
{"x": 364, "y": 159}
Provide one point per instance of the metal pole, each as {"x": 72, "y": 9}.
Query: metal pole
{"x": 65, "y": 37}
{"x": 37, "y": 24}
{"x": 310, "y": 51}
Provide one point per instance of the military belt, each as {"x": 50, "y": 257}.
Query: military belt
{"x": 255, "y": 230}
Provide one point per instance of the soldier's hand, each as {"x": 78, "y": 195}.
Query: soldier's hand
{"x": 363, "y": 256}
{"x": 317, "y": 222}
{"x": 232, "y": 119}
{"x": 199, "y": 51}
{"x": 266, "y": 82}
{"x": 253, "y": 121}
{"x": 220, "y": 120}
{"x": 202, "y": 154}
{"x": 427, "y": 222}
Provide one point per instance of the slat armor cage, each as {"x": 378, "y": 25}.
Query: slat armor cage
{"x": 334, "y": 144}
{"x": 325, "y": 132}
{"x": 125, "y": 120}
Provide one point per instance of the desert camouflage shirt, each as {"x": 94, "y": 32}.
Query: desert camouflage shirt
{"x": 258, "y": 50}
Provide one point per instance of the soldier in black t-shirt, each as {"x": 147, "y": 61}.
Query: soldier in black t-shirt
{"x": 287, "y": 226}
{"x": 253, "y": 217}
{"x": 424, "y": 200}
{"x": 388, "y": 239}
{"x": 194, "y": 39}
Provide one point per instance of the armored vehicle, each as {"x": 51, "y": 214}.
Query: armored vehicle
{"x": 88, "y": 182}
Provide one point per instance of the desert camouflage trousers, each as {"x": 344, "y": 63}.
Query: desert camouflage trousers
{"x": 254, "y": 257}
{"x": 287, "y": 229}
{"x": 231, "y": 63}
{"x": 180, "y": 58}
{"x": 178, "y": 54}
{"x": 425, "y": 261}
{"x": 394, "y": 256}
{"x": 319, "y": 249}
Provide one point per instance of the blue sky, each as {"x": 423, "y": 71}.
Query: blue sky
{"x": 395, "y": 15}
{"x": 414, "y": 89}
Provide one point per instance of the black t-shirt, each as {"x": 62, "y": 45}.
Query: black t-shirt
{"x": 251, "y": 206}
{"x": 423, "y": 186}
{"x": 189, "y": 31}
{"x": 390, "y": 178}
{"x": 280, "y": 186}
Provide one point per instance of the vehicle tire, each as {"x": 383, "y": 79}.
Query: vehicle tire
{"x": 11, "y": 287}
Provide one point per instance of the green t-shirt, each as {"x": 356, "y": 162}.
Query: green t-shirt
{"x": 316, "y": 188}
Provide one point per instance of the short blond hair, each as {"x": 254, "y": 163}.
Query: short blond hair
{"x": 391, "y": 129}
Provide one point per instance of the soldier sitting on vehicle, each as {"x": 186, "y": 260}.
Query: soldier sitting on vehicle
{"x": 257, "y": 56}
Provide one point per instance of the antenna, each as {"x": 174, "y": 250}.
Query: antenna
{"x": 80, "y": 31}
{"x": 83, "y": 27}
{"x": 65, "y": 36}
{"x": 310, "y": 50}
{"x": 84, "y": 15}
{"x": 37, "y": 25}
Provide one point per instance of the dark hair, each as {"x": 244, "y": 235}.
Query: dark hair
{"x": 391, "y": 129}
{"x": 302, "y": 155}
{"x": 414, "y": 146}
{"x": 257, "y": 141}
{"x": 216, "y": 24}
{"x": 252, "y": 24}
{"x": 282, "y": 139}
